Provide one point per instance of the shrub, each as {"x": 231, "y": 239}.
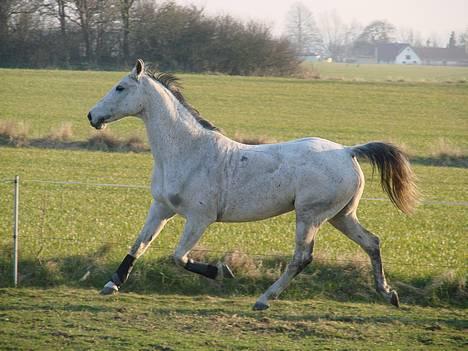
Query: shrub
{"x": 62, "y": 133}
{"x": 256, "y": 140}
{"x": 106, "y": 141}
{"x": 14, "y": 133}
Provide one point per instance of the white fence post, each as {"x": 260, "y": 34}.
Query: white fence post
{"x": 15, "y": 232}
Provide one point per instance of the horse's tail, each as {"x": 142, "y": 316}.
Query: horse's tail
{"x": 396, "y": 176}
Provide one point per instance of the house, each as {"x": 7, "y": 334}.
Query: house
{"x": 455, "y": 56}
{"x": 393, "y": 53}
{"x": 397, "y": 53}
{"x": 401, "y": 53}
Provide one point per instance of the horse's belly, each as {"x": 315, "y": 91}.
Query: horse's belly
{"x": 257, "y": 202}
{"x": 256, "y": 213}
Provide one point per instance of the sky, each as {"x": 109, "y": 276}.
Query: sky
{"x": 431, "y": 18}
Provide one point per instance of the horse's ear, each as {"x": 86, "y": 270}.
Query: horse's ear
{"x": 139, "y": 69}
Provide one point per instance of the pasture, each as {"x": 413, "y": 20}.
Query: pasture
{"x": 388, "y": 72}
{"x": 74, "y": 235}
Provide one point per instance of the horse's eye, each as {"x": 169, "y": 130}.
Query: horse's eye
{"x": 119, "y": 88}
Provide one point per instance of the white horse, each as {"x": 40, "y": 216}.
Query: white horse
{"x": 206, "y": 177}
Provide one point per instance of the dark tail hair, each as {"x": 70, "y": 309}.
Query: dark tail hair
{"x": 396, "y": 176}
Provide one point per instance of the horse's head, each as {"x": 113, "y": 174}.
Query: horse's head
{"x": 124, "y": 99}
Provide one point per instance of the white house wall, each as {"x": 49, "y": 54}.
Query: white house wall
{"x": 408, "y": 57}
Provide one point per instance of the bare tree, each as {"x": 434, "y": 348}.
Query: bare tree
{"x": 463, "y": 38}
{"x": 338, "y": 36}
{"x": 15, "y": 13}
{"x": 84, "y": 10}
{"x": 5, "y": 13}
{"x": 452, "y": 43}
{"x": 10, "y": 8}
{"x": 409, "y": 36}
{"x": 301, "y": 29}
{"x": 432, "y": 41}
{"x": 106, "y": 31}
{"x": 59, "y": 9}
{"x": 125, "y": 6}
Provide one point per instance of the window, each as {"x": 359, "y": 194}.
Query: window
{"x": 408, "y": 57}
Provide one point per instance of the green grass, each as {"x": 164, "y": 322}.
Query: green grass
{"x": 81, "y": 320}
{"x": 386, "y": 72}
{"x": 74, "y": 232}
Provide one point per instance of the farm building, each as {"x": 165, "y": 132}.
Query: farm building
{"x": 401, "y": 53}
{"x": 455, "y": 56}
{"x": 397, "y": 53}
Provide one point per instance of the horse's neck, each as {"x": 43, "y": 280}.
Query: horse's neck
{"x": 173, "y": 133}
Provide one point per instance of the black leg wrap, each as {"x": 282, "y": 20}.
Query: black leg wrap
{"x": 204, "y": 269}
{"x": 123, "y": 271}
{"x": 302, "y": 265}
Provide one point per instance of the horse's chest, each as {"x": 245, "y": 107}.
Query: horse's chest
{"x": 185, "y": 192}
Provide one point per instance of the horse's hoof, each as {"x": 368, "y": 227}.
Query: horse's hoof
{"x": 394, "y": 300}
{"x": 227, "y": 273}
{"x": 260, "y": 306}
{"x": 109, "y": 289}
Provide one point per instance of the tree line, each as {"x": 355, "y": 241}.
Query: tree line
{"x": 112, "y": 33}
{"x": 330, "y": 36}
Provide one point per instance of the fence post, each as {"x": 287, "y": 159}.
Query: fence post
{"x": 15, "y": 231}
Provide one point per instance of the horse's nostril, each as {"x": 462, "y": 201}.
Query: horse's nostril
{"x": 89, "y": 116}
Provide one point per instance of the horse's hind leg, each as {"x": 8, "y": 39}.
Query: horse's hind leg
{"x": 349, "y": 225}
{"x": 305, "y": 235}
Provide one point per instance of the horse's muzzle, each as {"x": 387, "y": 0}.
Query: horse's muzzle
{"x": 99, "y": 124}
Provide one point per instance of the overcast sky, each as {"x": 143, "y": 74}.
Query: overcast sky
{"x": 429, "y": 17}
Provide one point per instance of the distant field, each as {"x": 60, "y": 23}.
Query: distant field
{"x": 416, "y": 115}
{"x": 393, "y": 73}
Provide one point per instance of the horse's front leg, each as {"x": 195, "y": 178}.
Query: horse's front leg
{"x": 193, "y": 230}
{"x": 157, "y": 217}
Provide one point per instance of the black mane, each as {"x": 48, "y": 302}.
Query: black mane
{"x": 172, "y": 83}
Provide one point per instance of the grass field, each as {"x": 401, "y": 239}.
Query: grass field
{"x": 394, "y": 73}
{"x": 77, "y": 319}
{"x": 417, "y": 115}
{"x": 74, "y": 235}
